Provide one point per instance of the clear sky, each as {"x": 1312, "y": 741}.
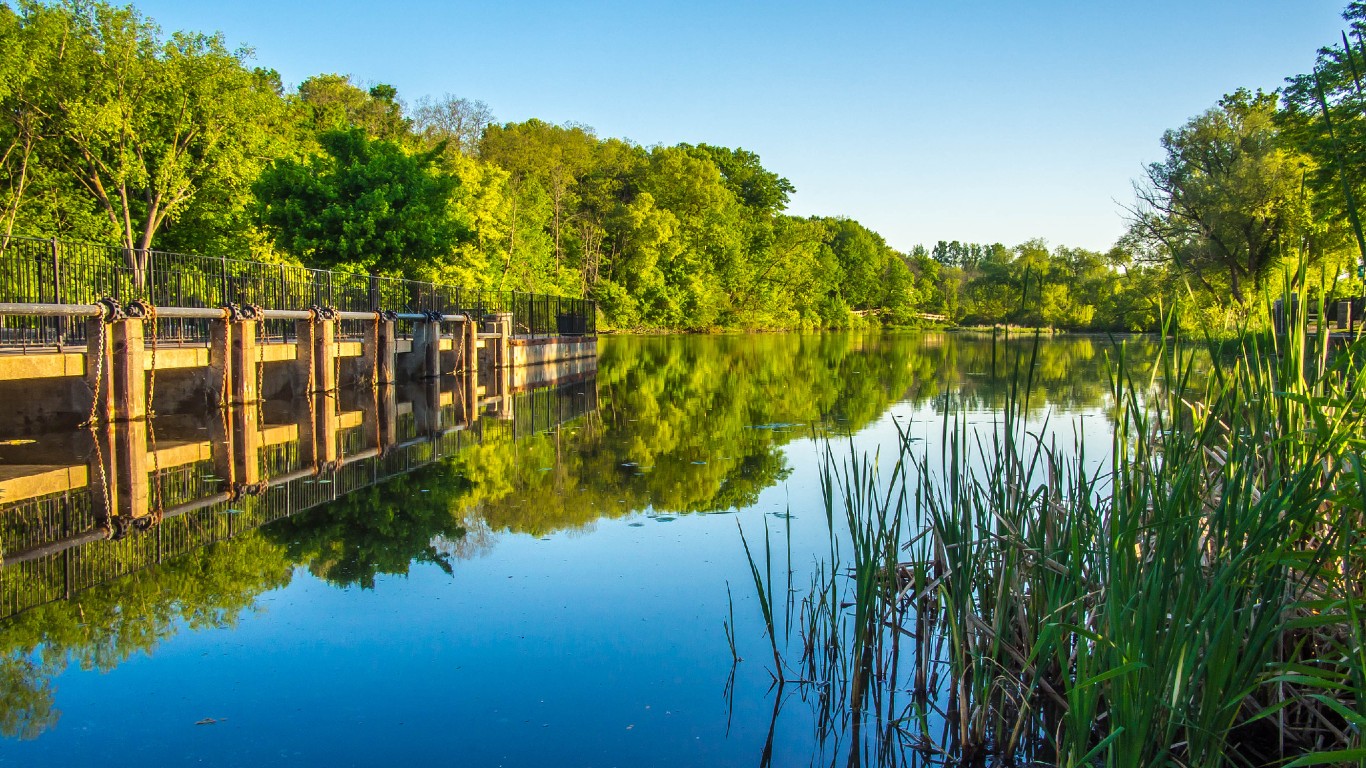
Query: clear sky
{"x": 978, "y": 121}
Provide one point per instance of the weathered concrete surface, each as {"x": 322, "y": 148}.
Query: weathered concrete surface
{"x": 548, "y": 350}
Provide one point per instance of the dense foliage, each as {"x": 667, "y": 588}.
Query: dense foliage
{"x": 113, "y": 132}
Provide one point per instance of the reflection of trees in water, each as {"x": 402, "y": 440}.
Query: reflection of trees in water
{"x": 101, "y": 627}
{"x": 685, "y": 425}
{"x": 382, "y": 529}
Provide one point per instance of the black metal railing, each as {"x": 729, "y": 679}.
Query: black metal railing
{"x": 53, "y": 271}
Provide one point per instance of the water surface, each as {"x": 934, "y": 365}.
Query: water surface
{"x": 546, "y": 586}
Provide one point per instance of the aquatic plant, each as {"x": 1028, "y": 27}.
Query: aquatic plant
{"x": 1195, "y": 601}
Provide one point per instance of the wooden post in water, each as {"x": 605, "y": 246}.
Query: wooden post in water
{"x": 130, "y": 468}
{"x": 246, "y": 443}
{"x": 498, "y": 353}
{"x": 386, "y": 353}
{"x": 470, "y": 342}
{"x": 427, "y": 411}
{"x": 425, "y": 359}
{"x": 386, "y": 407}
{"x": 1345, "y": 315}
{"x": 100, "y": 468}
{"x": 505, "y": 339}
{"x": 129, "y": 377}
{"x": 221, "y": 437}
{"x": 219, "y": 381}
{"x": 315, "y": 360}
{"x": 469, "y": 345}
{"x": 244, "y": 362}
{"x": 303, "y": 357}
{"x": 325, "y": 355}
{"x": 325, "y": 410}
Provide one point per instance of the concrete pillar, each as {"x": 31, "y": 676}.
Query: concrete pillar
{"x": 219, "y": 383}
{"x": 221, "y": 436}
{"x": 427, "y": 407}
{"x": 119, "y": 483}
{"x": 303, "y": 357}
{"x": 315, "y": 361}
{"x": 317, "y": 420}
{"x": 471, "y": 342}
{"x": 386, "y": 413}
{"x": 325, "y": 411}
{"x": 101, "y": 468}
{"x": 386, "y": 353}
{"x": 246, "y": 443}
{"x": 425, "y": 360}
{"x": 130, "y": 376}
{"x": 505, "y": 339}
{"x": 244, "y": 360}
{"x": 131, "y": 467}
{"x": 99, "y": 368}
{"x": 325, "y": 355}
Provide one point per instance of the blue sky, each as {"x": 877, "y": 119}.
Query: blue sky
{"x": 983, "y": 121}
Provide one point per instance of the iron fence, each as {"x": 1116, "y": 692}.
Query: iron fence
{"x": 53, "y": 271}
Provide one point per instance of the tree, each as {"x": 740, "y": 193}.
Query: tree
{"x": 141, "y": 126}
{"x": 364, "y": 204}
{"x": 1323, "y": 117}
{"x": 332, "y": 102}
{"x": 553, "y": 157}
{"x": 458, "y": 122}
{"x": 756, "y": 187}
{"x": 1229, "y": 197}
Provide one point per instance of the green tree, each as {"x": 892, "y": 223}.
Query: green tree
{"x": 332, "y": 103}
{"x": 142, "y": 126}
{"x": 364, "y": 204}
{"x": 1227, "y": 199}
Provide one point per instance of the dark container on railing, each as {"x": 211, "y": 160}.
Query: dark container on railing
{"x": 571, "y": 324}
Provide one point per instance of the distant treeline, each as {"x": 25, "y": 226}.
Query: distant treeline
{"x": 113, "y": 132}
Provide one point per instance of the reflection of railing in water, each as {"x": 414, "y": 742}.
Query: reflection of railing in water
{"x": 60, "y": 543}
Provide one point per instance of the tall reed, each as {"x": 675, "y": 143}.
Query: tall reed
{"x": 1198, "y": 601}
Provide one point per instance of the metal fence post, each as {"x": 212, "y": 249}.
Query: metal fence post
{"x": 62, "y": 322}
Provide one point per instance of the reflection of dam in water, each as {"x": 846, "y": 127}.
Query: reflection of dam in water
{"x": 81, "y": 508}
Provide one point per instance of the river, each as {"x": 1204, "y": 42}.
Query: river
{"x": 554, "y": 585}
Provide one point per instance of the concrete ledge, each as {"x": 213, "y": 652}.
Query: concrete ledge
{"x": 171, "y": 358}
{"x": 46, "y": 365}
{"x": 550, "y": 349}
{"x": 20, "y": 482}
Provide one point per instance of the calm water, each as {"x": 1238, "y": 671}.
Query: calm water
{"x": 550, "y": 589}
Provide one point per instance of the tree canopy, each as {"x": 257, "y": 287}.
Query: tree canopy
{"x": 111, "y": 131}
